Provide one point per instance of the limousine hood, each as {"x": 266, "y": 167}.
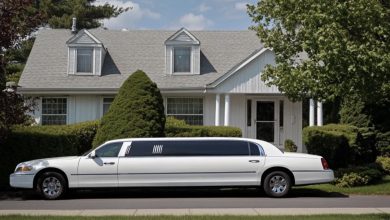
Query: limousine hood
{"x": 300, "y": 155}
{"x": 45, "y": 161}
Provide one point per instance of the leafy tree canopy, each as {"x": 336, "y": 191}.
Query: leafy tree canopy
{"x": 326, "y": 48}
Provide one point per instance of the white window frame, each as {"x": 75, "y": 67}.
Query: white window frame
{"x": 93, "y": 62}
{"x": 173, "y": 60}
{"x": 55, "y": 97}
{"x": 189, "y": 97}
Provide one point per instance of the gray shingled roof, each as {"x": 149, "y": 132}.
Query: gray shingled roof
{"x": 128, "y": 51}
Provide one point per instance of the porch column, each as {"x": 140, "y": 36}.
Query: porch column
{"x": 319, "y": 114}
{"x": 217, "y": 102}
{"x": 311, "y": 112}
{"x": 227, "y": 109}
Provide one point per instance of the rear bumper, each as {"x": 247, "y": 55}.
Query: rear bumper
{"x": 307, "y": 177}
{"x": 21, "y": 180}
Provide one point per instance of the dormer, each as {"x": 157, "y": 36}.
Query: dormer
{"x": 182, "y": 54}
{"x": 85, "y": 54}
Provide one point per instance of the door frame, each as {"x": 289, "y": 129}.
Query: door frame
{"x": 253, "y": 128}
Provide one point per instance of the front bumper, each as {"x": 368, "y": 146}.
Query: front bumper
{"x": 19, "y": 180}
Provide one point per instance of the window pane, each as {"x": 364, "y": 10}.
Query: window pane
{"x": 254, "y": 149}
{"x": 265, "y": 111}
{"x": 106, "y": 104}
{"x": 182, "y": 59}
{"x": 188, "y": 109}
{"x": 189, "y": 148}
{"x": 109, "y": 150}
{"x": 84, "y": 60}
{"x": 265, "y": 131}
{"x": 142, "y": 149}
{"x": 206, "y": 148}
{"x": 54, "y": 111}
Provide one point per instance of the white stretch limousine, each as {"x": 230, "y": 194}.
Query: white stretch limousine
{"x": 160, "y": 162}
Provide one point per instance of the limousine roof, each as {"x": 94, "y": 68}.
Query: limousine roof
{"x": 268, "y": 148}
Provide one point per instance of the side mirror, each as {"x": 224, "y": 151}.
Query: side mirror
{"x": 92, "y": 154}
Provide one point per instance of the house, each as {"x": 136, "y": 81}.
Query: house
{"x": 205, "y": 77}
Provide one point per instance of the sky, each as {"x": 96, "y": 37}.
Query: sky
{"x": 174, "y": 14}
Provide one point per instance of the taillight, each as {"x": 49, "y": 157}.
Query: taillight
{"x": 325, "y": 164}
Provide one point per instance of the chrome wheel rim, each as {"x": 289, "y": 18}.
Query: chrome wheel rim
{"x": 51, "y": 186}
{"x": 278, "y": 184}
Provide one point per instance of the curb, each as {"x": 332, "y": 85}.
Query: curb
{"x": 181, "y": 212}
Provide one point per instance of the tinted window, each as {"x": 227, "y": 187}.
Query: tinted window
{"x": 189, "y": 148}
{"x": 109, "y": 150}
{"x": 254, "y": 149}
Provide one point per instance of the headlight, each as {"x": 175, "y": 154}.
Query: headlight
{"x": 23, "y": 168}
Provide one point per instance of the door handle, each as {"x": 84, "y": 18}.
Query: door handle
{"x": 254, "y": 161}
{"x": 109, "y": 163}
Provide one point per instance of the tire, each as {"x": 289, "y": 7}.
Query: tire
{"x": 277, "y": 184}
{"x": 51, "y": 185}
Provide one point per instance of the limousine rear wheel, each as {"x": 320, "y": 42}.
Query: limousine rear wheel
{"x": 51, "y": 185}
{"x": 277, "y": 184}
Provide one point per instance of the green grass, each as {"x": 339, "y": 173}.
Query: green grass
{"x": 381, "y": 188}
{"x": 314, "y": 217}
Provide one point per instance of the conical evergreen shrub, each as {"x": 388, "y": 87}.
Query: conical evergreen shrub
{"x": 137, "y": 111}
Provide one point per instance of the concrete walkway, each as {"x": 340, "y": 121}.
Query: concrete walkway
{"x": 225, "y": 211}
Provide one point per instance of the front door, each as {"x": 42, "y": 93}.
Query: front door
{"x": 266, "y": 122}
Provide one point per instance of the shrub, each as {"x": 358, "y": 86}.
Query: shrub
{"x": 341, "y": 145}
{"x": 137, "y": 111}
{"x": 289, "y": 146}
{"x": 358, "y": 176}
{"x": 383, "y": 144}
{"x": 33, "y": 142}
{"x": 178, "y": 128}
{"x": 384, "y": 163}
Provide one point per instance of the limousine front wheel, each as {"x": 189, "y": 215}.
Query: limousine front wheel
{"x": 277, "y": 184}
{"x": 51, "y": 185}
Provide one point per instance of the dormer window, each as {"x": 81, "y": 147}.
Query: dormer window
{"x": 85, "y": 60}
{"x": 182, "y": 59}
{"x": 85, "y": 54}
{"x": 182, "y": 54}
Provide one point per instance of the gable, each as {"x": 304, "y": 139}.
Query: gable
{"x": 248, "y": 78}
{"x": 83, "y": 37}
{"x": 183, "y": 36}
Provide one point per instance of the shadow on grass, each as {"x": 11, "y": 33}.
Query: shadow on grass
{"x": 133, "y": 193}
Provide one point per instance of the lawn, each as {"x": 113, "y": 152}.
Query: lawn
{"x": 381, "y": 188}
{"x": 314, "y": 217}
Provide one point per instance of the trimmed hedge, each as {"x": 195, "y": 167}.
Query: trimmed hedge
{"x": 178, "y": 128}
{"x": 34, "y": 142}
{"x": 341, "y": 145}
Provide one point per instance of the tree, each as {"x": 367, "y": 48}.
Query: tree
{"x": 17, "y": 20}
{"x": 59, "y": 13}
{"x": 137, "y": 111}
{"x": 328, "y": 48}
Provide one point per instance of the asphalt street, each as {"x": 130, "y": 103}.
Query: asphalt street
{"x": 187, "y": 198}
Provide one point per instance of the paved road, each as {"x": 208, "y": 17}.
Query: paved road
{"x": 185, "y": 199}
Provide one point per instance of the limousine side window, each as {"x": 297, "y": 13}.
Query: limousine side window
{"x": 256, "y": 150}
{"x": 109, "y": 150}
{"x": 189, "y": 148}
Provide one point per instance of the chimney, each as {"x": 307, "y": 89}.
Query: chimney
{"x": 74, "y": 29}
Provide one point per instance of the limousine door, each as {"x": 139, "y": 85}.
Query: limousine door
{"x": 189, "y": 163}
{"x": 102, "y": 170}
